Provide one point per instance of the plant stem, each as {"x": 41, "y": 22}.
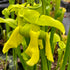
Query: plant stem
{"x": 59, "y": 60}
{"x": 51, "y": 38}
{"x": 68, "y": 68}
{"x": 7, "y": 27}
{"x": 43, "y": 7}
{"x": 16, "y": 60}
{"x": 7, "y": 30}
{"x": 57, "y": 6}
{"x": 44, "y": 65}
{"x": 35, "y": 67}
{"x": 67, "y": 51}
{"x": 18, "y": 52}
{"x": 11, "y": 2}
{"x": 6, "y": 61}
{"x": 14, "y": 57}
{"x": 43, "y": 60}
{"x": 57, "y": 2}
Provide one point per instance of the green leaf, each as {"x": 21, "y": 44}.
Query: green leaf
{"x": 11, "y": 22}
{"x": 49, "y": 21}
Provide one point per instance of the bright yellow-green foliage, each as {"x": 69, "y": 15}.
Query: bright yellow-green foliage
{"x": 33, "y": 50}
{"x": 28, "y": 24}
{"x": 14, "y": 40}
{"x": 34, "y": 17}
{"x": 48, "y": 51}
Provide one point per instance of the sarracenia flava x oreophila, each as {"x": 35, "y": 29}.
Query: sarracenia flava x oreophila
{"x": 28, "y": 24}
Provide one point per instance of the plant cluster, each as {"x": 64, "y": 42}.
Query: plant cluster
{"x": 37, "y": 27}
